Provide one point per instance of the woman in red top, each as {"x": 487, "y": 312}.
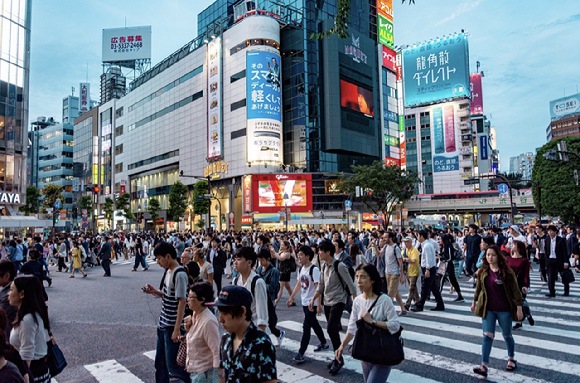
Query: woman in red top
{"x": 519, "y": 263}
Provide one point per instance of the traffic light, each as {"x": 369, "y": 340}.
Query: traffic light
{"x": 96, "y": 189}
{"x": 551, "y": 155}
{"x": 343, "y": 217}
{"x": 55, "y": 216}
{"x": 223, "y": 219}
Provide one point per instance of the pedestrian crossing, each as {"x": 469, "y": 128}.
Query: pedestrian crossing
{"x": 440, "y": 346}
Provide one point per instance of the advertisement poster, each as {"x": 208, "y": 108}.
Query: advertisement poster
{"x": 564, "y": 106}
{"x": 85, "y": 98}
{"x": 264, "y": 107}
{"x": 389, "y": 59}
{"x": 385, "y": 8}
{"x": 269, "y": 190}
{"x": 214, "y": 99}
{"x": 483, "y": 147}
{"x": 436, "y": 70}
{"x": 126, "y": 44}
{"x": 357, "y": 98}
{"x": 445, "y": 136}
{"x": 386, "y": 31}
{"x": 476, "y": 93}
{"x": 247, "y": 184}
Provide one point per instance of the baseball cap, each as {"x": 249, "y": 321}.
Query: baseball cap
{"x": 232, "y": 295}
{"x": 407, "y": 239}
{"x": 515, "y": 227}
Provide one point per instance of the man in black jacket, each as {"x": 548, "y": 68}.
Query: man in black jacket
{"x": 217, "y": 257}
{"x": 556, "y": 260}
{"x": 105, "y": 256}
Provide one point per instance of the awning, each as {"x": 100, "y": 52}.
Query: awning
{"x": 24, "y": 221}
{"x": 275, "y": 217}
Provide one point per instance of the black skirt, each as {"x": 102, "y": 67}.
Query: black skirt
{"x": 39, "y": 370}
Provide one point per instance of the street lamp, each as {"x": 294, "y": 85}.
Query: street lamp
{"x": 286, "y": 198}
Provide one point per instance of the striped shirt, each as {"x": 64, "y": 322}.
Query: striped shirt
{"x": 170, "y": 297}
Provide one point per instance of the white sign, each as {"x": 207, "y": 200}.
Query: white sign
{"x": 214, "y": 99}
{"x": 126, "y": 44}
{"x": 9, "y": 198}
{"x": 85, "y": 99}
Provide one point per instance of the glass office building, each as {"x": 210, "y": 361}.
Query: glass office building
{"x": 14, "y": 72}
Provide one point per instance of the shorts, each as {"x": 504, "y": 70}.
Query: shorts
{"x": 393, "y": 285}
{"x": 285, "y": 277}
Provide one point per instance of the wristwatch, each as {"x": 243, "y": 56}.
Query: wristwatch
{"x": 374, "y": 322}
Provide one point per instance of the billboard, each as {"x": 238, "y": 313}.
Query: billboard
{"x": 126, "y": 44}
{"x": 247, "y": 190}
{"x": 85, "y": 99}
{"x": 385, "y": 8}
{"x": 389, "y": 59}
{"x": 269, "y": 190}
{"x": 564, "y": 106}
{"x": 483, "y": 147}
{"x": 356, "y": 98}
{"x": 386, "y": 31}
{"x": 476, "y": 93}
{"x": 445, "y": 136}
{"x": 436, "y": 70}
{"x": 214, "y": 99}
{"x": 264, "y": 107}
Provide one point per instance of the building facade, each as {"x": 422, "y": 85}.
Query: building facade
{"x": 523, "y": 164}
{"x": 564, "y": 118}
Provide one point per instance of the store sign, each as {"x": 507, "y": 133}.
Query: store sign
{"x": 123, "y": 188}
{"x": 354, "y": 50}
{"x": 483, "y": 147}
{"x": 465, "y": 150}
{"x": 246, "y": 220}
{"x": 247, "y": 193}
{"x": 214, "y": 99}
{"x": 385, "y": 8}
{"x": 392, "y": 161}
{"x": 85, "y": 97}
{"x": 215, "y": 168}
{"x": 391, "y": 141}
{"x": 476, "y": 93}
{"x": 9, "y": 198}
{"x": 386, "y": 31}
{"x": 389, "y": 59}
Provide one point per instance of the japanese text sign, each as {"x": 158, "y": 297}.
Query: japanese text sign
{"x": 386, "y": 31}
{"x": 126, "y": 44}
{"x": 476, "y": 95}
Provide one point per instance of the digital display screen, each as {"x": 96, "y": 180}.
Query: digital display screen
{"x": 356, "y": 98}
{"x": 271, "y": 193}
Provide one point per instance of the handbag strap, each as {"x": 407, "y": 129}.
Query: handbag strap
{"x": 375, "y": 302}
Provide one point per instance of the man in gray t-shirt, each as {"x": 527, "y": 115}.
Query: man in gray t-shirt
{"x": 393, "y": 269}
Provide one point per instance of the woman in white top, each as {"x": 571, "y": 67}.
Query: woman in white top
{"x": 29, "y": 334}
{"x": 205, "y": 268}
{"x": 383, "y": 315}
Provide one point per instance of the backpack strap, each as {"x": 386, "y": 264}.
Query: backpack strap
{"x": 335, "y": 267}
{"x": 253, "y": 286}
{"x": 311, "y": 272}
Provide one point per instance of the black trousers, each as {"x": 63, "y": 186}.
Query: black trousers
{"x": 452, "y": 278}
{"x": 552, "y": 272}
{"x": 217, "y": 277}
{"x": 61, "y": 264}
{"x": 106, "y": 263}
{"x": 429, "y": 285}
{"x": 310, "y": 323}
{"x": 333, "y": 325}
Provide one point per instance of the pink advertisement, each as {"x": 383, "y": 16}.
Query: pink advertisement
{"x": 476, "y": 95}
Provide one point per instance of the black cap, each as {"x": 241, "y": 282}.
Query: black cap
{"x": 232, "y": 295}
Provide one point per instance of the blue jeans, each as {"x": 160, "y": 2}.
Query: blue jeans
{"x": 45, "y": 264}
{"x": 375, "y": 373}
{"x": 505, "y": 323}
{"x": 166, "y": 358}
{"x": 210, "y": 376}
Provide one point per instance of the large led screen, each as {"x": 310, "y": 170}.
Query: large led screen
{"x": 271, "y": 193}
{"x": 356, "y": 98}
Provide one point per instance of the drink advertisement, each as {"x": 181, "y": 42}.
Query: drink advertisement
{"x": 445, "y": 137}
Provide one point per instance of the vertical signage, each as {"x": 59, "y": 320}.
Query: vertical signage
{"x": 123, "y": 188}
{"x": 483, "y": 147}
{"x": 389, "y": 59}
{"x": 444, "y": 138}
{"x": 247, "y": 190}
{"x": 214, "y": 99}
{"x": 85, "y": 99}
{"x": 385, "y": 8}
{"x": 476, "y": 95}
{"x": 386, "y": 36}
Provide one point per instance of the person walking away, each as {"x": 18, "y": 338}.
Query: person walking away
{"x": 284, "y": 261}
{"x": 471, "y": 243}
{"x": 62, "y": 255}
{"x": 307, "y": 282}
{"x": 412, "y": 257}
{"x": 246, "y": 352}
{"x": 140, "y": 256}
{"x": 30, "y": 332}
{"x": 576, "y": 253}
{"x": 447, "y": 256}
{"x": 38, "y": 247}
{"x": 173, "y": 294}
{"x": 217, "y": 257}
{"x": 335, "y": 286}
{"x": 520, "y": 265}
{"x": 77, "y": 260}
{"x": 557, "y": 261}
{"x": 383, "y": 315}
{"x": 394, "y": 270}
{"x": 429, "y": 267}
{"x": 7, "y": 275}
{"x": 497, "y": 298}
{"x": 105, "y": 256}
{"x": 203, "y": 336}
{"x": 15, "y": 254}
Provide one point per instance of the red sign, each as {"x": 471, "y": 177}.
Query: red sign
{"x": 403, "y": 147}
{"x": 385, "y": 8}
{"x": 476, "y": 96}
{"x": 389, "y": 58}
{"x": 392, "y": 161}
{"x": 269, "y": 190}
{"x": 247, "y": 220}
{"x": 247, "y": 194}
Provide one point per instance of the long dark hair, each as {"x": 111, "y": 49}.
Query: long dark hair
{"x": 373, "y": 273}
{"x": 505, "y": 273}
{"x": 354, "y": 251}
{"x": 33, "y": 301}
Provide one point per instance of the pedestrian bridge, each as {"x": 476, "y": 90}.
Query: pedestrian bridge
{"x": 471, "y": 205}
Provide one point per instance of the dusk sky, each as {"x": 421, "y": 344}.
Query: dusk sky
{"x": 528, "y": 51}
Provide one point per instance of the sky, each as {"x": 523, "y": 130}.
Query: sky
{"x": 528, "y": 51}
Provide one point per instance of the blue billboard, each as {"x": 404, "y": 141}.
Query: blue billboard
{"x": 264, "y": 96}
{"x": 436, "y": 70}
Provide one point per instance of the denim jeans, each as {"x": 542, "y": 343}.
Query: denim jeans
{"x": 374, "y": 373}
{"x": 310, "y": 323}
{"x": 505, "y": 323}
{"x": 210, "y": 376}
{"x": 166, "y": 358}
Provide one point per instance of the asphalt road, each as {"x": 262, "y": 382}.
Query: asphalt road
{"x": 106, "y": 328}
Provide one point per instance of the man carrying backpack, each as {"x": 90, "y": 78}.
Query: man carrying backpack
{"x": 308, "y": 278}
{"x": 271, "y": 276}
{"x": 335, "y": 286}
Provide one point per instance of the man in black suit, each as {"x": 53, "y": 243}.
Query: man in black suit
{"x": 217, "y": 257}
{"x": 105, "y": 256}
{"x": 556, "y": 260}
{"x": 571, "y": 240}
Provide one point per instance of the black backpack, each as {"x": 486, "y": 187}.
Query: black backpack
{"x": 271, "y": 308}
{"x": 335, "y": 267}
{"x": 292, "y": 264}
{"x": 177, "y": 270}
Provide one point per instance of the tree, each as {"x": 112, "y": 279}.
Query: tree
{"x": 87, "y": 203}
{"x": 50, "y": 196}
{"x": 560, "y": 194}
{"x": 200, "y": 205}
{"x": 177, "y": 201}
{"x": 152, "y": 208}
{"x": 32, "y": 205}
{"x": 200, "y": 224}
{"x": 108, "y": 209}
{"x": 123, "y": 205}
{"x": 382, "y": 187}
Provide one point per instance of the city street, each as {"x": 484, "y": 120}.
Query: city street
{"x": 106, "y": 329}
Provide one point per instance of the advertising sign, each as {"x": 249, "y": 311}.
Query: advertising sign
{"x": 436, "y": 70}
{"x": 564, "y": 106}
{"x": 476, "y": 93}
{"x": 444, "y": 137}
{"x": 385, "y": 8}
{"x": 483, "y": 147}
{"x": 391, "y": 141}
{"x": 126, "y": 44}
{"x": 356, "y": 98}
{"x": 403, "y": 147}
{"x": 269, "y": 191}
{"x": 214, "y": 99}
{"x": 386, "y": 30}
{"x": 247, "y": 185}
{"x": 123, "y": 187}
{"x": 392, "y": 161}
{"x": 389, "y": 59}
{"x": 264, "y": 107}
{"x": 246, "y": 220}
{"x": 85, "y": 99}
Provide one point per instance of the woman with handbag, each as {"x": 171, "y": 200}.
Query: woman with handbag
{"x": 376, "y": 309}
{"x": 497, "y": 298}
{"x": 447, "y": 255}
{"x": 520, "y": 265}
{"x": 29, "y": 334}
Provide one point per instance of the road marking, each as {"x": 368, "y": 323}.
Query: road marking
{"x": 290, "y": 374}
{"x": 111, "y": 371}
{"x": 150, "y": 354}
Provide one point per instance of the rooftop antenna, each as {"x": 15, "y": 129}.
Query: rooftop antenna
{"x": 73, "y": 90}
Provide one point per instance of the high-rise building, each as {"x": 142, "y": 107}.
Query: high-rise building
{"x": 14, "y": 75}
{"x": 564, "y": 118}
{"x": 523, "y": 164}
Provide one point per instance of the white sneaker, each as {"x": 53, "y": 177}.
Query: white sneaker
{"x": 471, "y": 280}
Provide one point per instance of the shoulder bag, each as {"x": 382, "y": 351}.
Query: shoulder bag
{"x": 375, "y": 345}
{"x": 568, "y": 276}
{"x": 182, "y": 351}
{"x": 55, "y": 359}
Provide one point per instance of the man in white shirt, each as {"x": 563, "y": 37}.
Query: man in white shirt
{"x": 429, "y": 267}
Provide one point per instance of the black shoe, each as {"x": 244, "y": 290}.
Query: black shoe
{"x": 50, "y": 282}
{"x": 437, "y": 308}
{"x": 337, "y": 366}
{"x": 550, "y": 295}
{"x": 459, "y": 299}
{"x": 416, "y": 309}
{"x": 407, "y": 307}
{"x": 566, "y": 294}
{"x": 531, "y": 320}
{"x": 517, "y": 326}
{"x": 331, "y": 364}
